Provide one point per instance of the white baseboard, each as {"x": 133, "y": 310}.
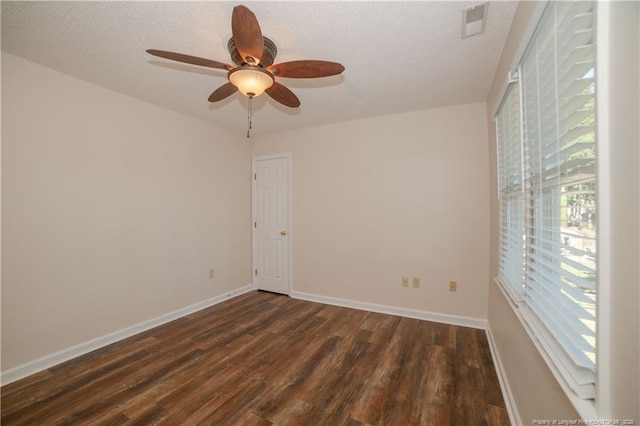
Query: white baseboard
{"x": 509, "y": 400}
{"x": 393, "y": 310}
{"x": 56, "y": 358}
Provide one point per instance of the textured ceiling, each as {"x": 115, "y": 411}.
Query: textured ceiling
{"x": 399, "y": 56}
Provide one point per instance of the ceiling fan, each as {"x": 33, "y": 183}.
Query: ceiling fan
{"x": 254, "y": 71}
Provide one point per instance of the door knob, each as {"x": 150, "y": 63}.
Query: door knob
{"x": 283, "y": 233}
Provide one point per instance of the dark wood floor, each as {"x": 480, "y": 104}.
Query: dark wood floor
{"x": 263, "y": 359}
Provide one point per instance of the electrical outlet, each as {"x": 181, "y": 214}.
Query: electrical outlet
{"x": 212, "y": 273}
{"x": 416, "y": 282}
{"x": 453, "y": 286}
{"x": 405, "y": 281}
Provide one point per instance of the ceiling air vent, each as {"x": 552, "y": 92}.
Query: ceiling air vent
{"x": 474, "y": 19}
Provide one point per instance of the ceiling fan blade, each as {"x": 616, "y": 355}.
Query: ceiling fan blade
{"x": 222, "y": 92}
{"x": 306, "y": 69}
{"x": 193, "y": 60}
{"x": 247, "y": 35}
{"x": 283, "y": 95}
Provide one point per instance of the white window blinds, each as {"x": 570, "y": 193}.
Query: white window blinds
{"x": 511, "y": 194}
{"x": 548, "y": 205}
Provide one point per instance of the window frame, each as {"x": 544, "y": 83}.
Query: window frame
{"x": 588, "y": 408}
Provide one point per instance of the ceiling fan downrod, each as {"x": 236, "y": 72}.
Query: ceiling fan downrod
{"x": 249, "y": 99}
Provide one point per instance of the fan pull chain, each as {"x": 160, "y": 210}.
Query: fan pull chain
{"x": 249, "y": 116}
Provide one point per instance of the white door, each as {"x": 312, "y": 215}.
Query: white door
{"x": 271, "y": 233}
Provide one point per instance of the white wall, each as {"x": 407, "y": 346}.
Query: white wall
{"x": 622, "y": 111}
{"x": 113, "y": 211}
{"x": 536, "y": 393}
{"x": 381, "y": 198}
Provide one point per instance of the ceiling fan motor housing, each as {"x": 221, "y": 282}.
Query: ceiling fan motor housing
{"x": 268, "y": 55}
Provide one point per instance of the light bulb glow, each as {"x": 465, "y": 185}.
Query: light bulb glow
{"x": 250, "y": 81}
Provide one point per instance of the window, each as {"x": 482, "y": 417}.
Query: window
{"x": 547, "y": 190}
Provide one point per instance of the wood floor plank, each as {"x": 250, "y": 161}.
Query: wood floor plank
{"x": 252, "y": 419}
{"x": 288, "y": 384}
{"x": 265, "y": 359}
{"x": 211, "y": 396}
{"x": 80, "y": 408}
{"x": 379, "y": 395}
{"x": 179, "y": 386}
{"x": 235, "y": 408}
{"x": 66, "y": 390}
{"x": 335, "y": 393}
{"x": 70, "y": 375}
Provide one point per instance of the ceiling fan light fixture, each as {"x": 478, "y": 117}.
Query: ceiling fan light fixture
{"x": 251, "y": 81}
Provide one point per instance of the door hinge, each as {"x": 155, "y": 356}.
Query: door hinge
{"x": 256, "y": 272}
{"x": 255, "y": 224}
{"x": 255, "y": 176}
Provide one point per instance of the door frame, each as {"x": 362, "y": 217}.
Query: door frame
{"x": 289, "y": 208}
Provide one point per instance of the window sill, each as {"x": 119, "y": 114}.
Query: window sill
{"x": 586, "y": 408}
